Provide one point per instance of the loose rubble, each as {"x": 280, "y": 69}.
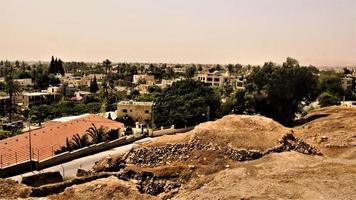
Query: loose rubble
{"x": 162, "y": 155}
{"x": 156, "y": 156}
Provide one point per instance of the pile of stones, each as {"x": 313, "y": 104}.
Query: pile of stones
{"x": 290, "y": 143}
{"x": 243, "y": 154}
{"x": 155, "y": 156}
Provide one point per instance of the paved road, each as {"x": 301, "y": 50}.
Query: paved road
{"x": 69, "y": 169}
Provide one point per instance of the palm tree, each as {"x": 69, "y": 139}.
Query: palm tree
{"x": 12, "y": 88}
{"x": 97, "y": 135}
{"x": 107, "y": 65}
{"x": 79, "y": 141}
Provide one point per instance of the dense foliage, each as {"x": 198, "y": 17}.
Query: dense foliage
{"x": 61, "y": 109}
{"x": 281, "y": 91}
{"x": 186, "y": 102}
{"x": 327, "y": 99}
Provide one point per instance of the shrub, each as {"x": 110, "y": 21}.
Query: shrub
{"x": 327, "y": 99}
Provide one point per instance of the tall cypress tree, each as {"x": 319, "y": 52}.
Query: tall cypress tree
{"x": 51, "y": 69}
{"x": 56, "y": 66}
{"x": 94, "y": 85}
{"x": 60, "y": 67}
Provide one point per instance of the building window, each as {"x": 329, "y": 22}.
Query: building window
{"x": 147, "y": 111}
{"x": 209, "y": 79}
{"x": 130, "y": 110}
{"x": 216, "y": 79}
{"x": 124, "y": 110}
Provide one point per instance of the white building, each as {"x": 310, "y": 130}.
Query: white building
{"x": 214, "y": 79}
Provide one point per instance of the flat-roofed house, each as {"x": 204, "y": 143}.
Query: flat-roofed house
{"x": 213, "y": 79}
{"x": 24, "y": 82}
{"x": 143, "y": 79}
{"x": 347, "y": 83}
{"x": 28, "y": 99}
{"x": 138, "y": 111}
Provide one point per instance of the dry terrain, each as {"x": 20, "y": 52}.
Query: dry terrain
{"x": 236, "y": 157}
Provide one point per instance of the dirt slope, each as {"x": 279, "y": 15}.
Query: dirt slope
{"x": 287, "y": 175}
{"x": 333, "y": 131}
{"x": 236, "y": 131}
{"x": 236, "y": 157}
{"x": 102, "y": 189}
{"x": 10, "y": 189}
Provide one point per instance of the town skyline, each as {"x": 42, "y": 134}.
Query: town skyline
{"x": 319, "y": 33}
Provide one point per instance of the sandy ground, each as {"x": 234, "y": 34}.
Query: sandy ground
{"x": 287, "y": 175}
{"x": 102, "y": 189}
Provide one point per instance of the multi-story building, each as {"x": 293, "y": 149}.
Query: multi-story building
{"x": 138, "y": 111}
{"x": 348, "y": 83}
{"x": 240, "y": 82}
{"x": 29, "y": 99}
{"x": 214, "y": 79}
{"x": 77, "y": 81}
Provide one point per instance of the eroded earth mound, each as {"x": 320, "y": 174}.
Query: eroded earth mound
{"x": 236, "y": 157}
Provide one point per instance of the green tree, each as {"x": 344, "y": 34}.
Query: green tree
{"x": 107, "y": 65}
{"x": 190, "y": 71}
{"x": 11, "y": 88}
{"x": 78, "y": 141}
{"x": 281, "y": 91}
{"x": 56, "y": 66}
{"x": 330, "y": 81}
{"x": 94, "y": 85}
{"x": 97, "y": 134}
{"x": 186, "y": 102}
{"x": 42, "y": 79}
{"x": 63, "y": 90}
{"x": 327, "y": 99}
{"x": 239, "y": 104}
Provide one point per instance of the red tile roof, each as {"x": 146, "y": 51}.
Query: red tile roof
{"x": 49, "y": 138}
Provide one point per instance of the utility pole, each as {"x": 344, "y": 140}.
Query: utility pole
{"x": 208, "y": 113}
{"x": 29, "y": 138}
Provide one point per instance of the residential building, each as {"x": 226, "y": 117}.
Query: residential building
{"x": 214, "y": 79}
{"x": 347, "y": 83}
{"x": 24, "y": 82}
{"x": 52, "y": 89}
{"x": 240, "y": 82}
{"x": 179, "y": 70}
{"x": 143, "y": 88}
{"x": 138, "y": 111}
{"x": 28, "y": 99}
{"x": 79, "y": 95}
{"x": 143, "y": 79}
{"x": 166, "y": 83}
{"x": 77, "y": 81}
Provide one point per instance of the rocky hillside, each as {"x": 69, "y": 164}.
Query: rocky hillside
{"x": 236, "y": 157}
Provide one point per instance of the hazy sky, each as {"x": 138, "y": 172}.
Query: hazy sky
{"x": 319, "y": 32}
